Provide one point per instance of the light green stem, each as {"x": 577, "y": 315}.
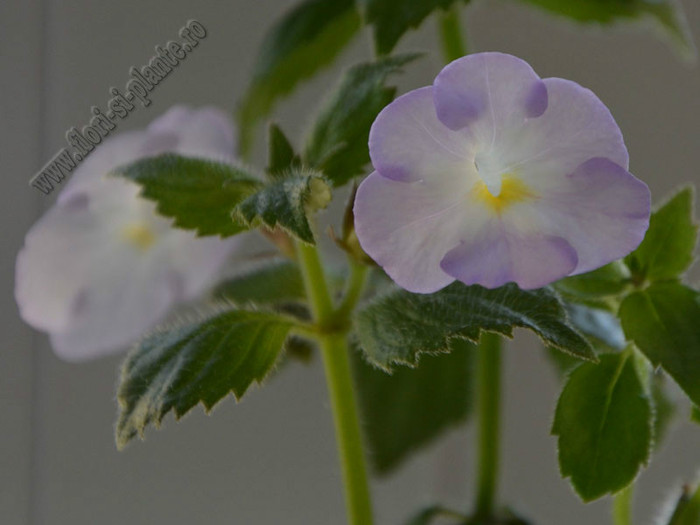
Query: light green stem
{"x": 353, "y": 290}
{"x": 622, "y": 507}
{"x": 453, "y": 42}
{"x": 489, "y": 392}
{"x": 334, "y": 348}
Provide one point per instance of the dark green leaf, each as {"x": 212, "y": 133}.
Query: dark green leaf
{"x": 604, "y": 423}
{"x": 411, "y": 407}
{"x": 667, "y": 249}
{"x": 197, "y": 362}
{"x": 273, "y": 282}
{"x": 304, "y": 41}
{"x": 695, "y": 415}
{"x": 199, "y": 194}
{"x": 392, "y": 18}
{"x": 667, "y": 13}
{"x": 398, "y": 326}
{"x": 281, "y": 156}
{"x": 663, "y": 322}
{"x": 337, "y": 144}
{"x": 285, "y": 203}
{"x": 687, "y": 509}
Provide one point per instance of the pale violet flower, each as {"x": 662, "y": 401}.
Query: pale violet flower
{"x": 493, "y": 175}
{"x": 101, "y": 267}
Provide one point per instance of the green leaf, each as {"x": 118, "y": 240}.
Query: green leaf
{"x": 604, "y": 423}
{"x": 664, "y": 408}
{"x": 687, "y": 509}
{"x": 411, "y": 407}
{"x": 607, "y": 281}
{"x": 668, "y": 14}
{"x": 199, "y": 194}
{"x": 285, "y": 203}
{"x": 277, "y": 281}
{"x": 667, "y": 249}
{"x": 695, "y": 415}
{"x": 304, "y": 41}
{"x": 198, "y": 362}
{"x": 398, "y": 326}
{"x": 281, "y": 156}
{"x": 337, "y": 144}
{"x": 392, "y": 18}
{"x": 663, "y": 322}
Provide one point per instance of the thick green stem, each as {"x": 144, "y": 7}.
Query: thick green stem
{"x": 453, "y": 42}
{"x": 489, "y": 393}
{"x": 622, "y": 507}
{"x": 354, "y": 289}
{"x": 334, "y": 348}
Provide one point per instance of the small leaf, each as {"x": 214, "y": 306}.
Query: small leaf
{"x": 687, "y": 509}
{"x": 199, "y": 194}
{"x": 667, "y": 13}
{"x": 607, "y": 281}
{"x": 663, "y": 322}
{"x": 285, "y": 203}
{"x": 337, "y": 144}
{"x": 604, "y": 423}
{"x": 408, "y": 409}
{"x": 198, "y": 362}
{"x": 392, "y": 18}
{"x": 305, "y": 40}
{"x": 281, "y": 156}
{"x": 273, "y": 282}
{"x": 398, "y": 326}
{"x": 667, "y": 249}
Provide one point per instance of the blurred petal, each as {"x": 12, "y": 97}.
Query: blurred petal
{"x": 407, "y": 142}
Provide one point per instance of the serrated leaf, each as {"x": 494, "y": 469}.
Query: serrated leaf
{"x": 304, "y": 41}
{"x": 392, "y": 18}
{"x": 277, "y": 281}
{"x": 687, "y": 509}
{"x": 198, "y": 362}
{"x": 281, "y": 156}
{"x": 408, "y": 409}
{"x": 663, "y": 322}
{"x": 337, "y": 143}
{"x": 604, "y": 423}
{"x": 667, "y": 249}
{"x": 668, "y": 14}
{"x": 398, "y": 326}
{"x": 198, "y": 194}
{"x": 285, "y": 203}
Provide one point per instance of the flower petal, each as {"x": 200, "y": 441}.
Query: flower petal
{"x": 498, "y": 256}
{"x": 408, "y": 143}
{"x": 407, "y": 227}
{"x": 601, "y": 209}
{"x": 489, "y": 93}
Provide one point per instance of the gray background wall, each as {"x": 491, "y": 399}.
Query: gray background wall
{"x": 271, "y": 459}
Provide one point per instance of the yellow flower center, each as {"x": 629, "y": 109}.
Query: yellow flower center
{"x": 512, "y": 191}
{"x": 139, "y": 235}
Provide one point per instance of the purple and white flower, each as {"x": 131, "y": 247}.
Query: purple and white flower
{"x": 101, "y": 267}
{"x": 493, "y": 175}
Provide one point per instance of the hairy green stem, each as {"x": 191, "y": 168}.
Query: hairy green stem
{"x": 622, "y": 507}
{"x": 334, "y": 348}
{"x": 453, "y": 42}
{"x": 489, "y": 393}
{"x": 354, "y": 289}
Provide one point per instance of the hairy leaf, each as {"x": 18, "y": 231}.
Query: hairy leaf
{"x": 604, "y": 423}
{"x": 199, "y": 194}
{"x": 304, "y": 41}
{"x": 337, "y": 144}
{"x": 281, "y": 156}
{"x": 397, "y": 327}
{"x": 285, "y": 203}
{"x": 272, "y": 282}
{"x": 198, "y": 362}
{"x": 667, "y": 249}
{"x": 411, "y": 407}
{"x": 392, "y": 18}
{"x": 662, "y": 320}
